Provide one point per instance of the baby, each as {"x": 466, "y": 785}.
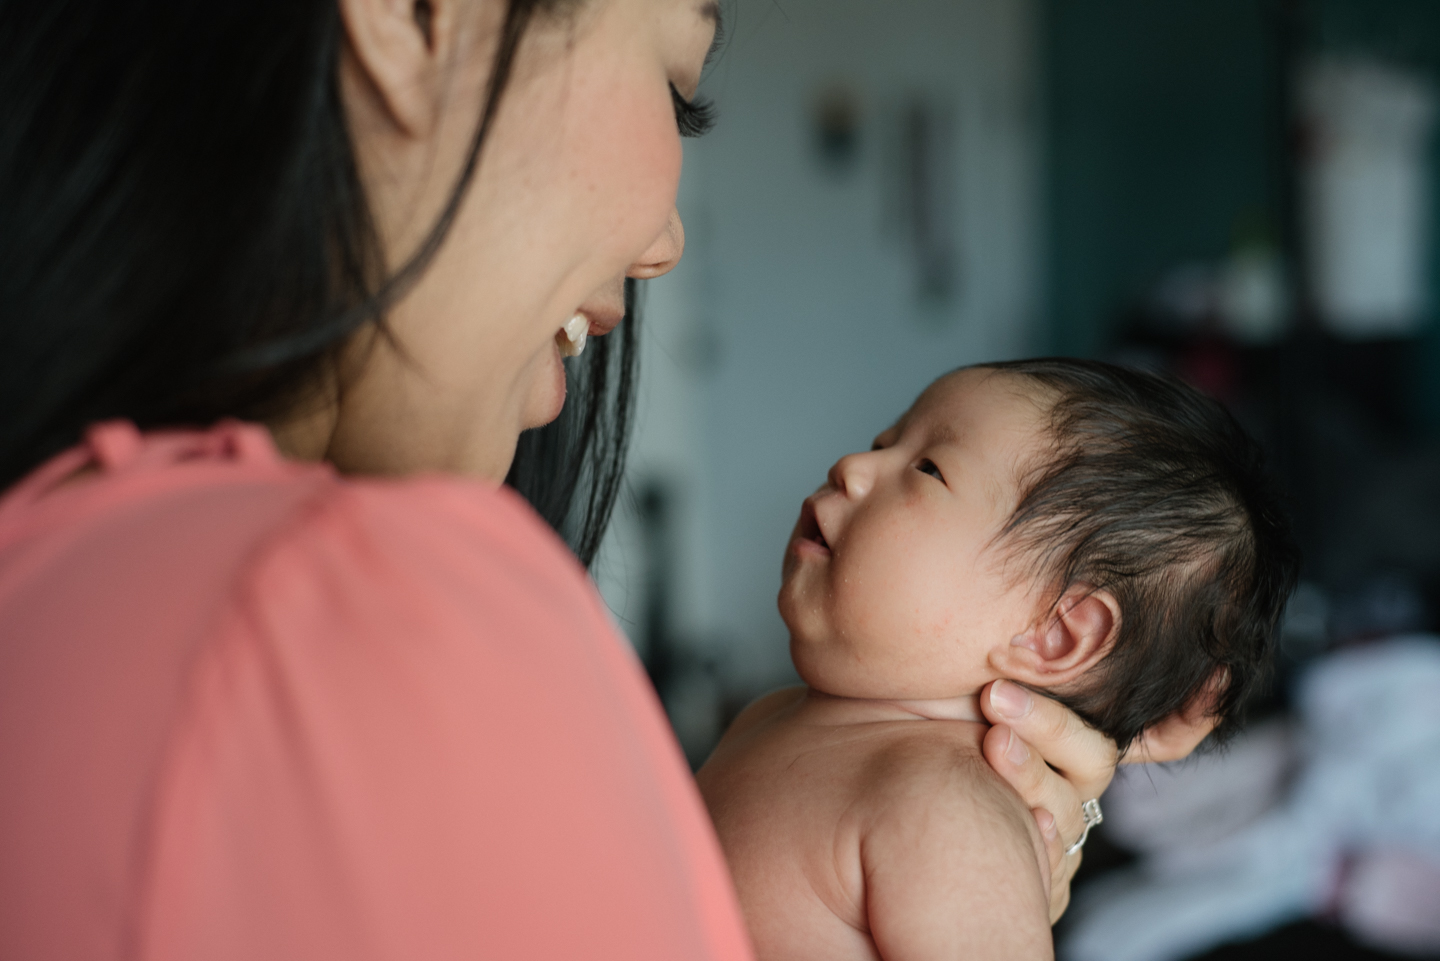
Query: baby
{"x": 1104, "y": 535}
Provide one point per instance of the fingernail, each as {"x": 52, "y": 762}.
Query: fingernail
{"x": 1016, "y": 750}
{"x": 1046, "y": 820}
{"x": 1010, "y": 700}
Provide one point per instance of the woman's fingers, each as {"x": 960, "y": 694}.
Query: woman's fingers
{"x": 1032, "y": 778}
{"x": 1055, "y": 762}
{"x": 1083, "y": 755}
{"x": 1060, "y": 892}
{"x": 1058, "y": 885}
{"x": 1170, "y": 740}
{"x": 1174, "y": 737}
{"x": 1041, "y": 789}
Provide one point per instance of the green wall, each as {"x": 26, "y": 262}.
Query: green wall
{"x": 1160, "y": 127}
{"x": 1165, "y": 141}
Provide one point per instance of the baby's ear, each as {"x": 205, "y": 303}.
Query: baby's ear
{"x": 1063, "y": 644}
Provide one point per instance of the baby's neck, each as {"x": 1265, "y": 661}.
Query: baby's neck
{"x": 965, "y": 707}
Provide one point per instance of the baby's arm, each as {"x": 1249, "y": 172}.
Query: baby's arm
{"x": 953, "y": 866}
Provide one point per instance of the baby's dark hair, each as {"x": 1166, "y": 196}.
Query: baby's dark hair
{"x": 1154, "y": 493}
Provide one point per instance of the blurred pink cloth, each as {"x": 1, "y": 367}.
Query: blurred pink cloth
{"x": 250, "y": 709}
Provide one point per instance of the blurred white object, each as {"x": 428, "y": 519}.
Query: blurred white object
{"x": 1368, "y": 785}
{"x": 1391, "y": 900}
{"x": 1367, "y": 195}
{"x": 1254, "y": 304}
{"x": 1165, "y": 810}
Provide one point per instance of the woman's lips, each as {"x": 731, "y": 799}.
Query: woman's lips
{"x": 602, "y": 319}
{"x": 586, "y": 323}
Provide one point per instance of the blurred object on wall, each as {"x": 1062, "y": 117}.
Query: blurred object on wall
{"x": 1243, "y": 297}
{"x": 837, "y": 128}
{"x": 1253, "y": 303}
{"x": 1366, "y": 784}
{"x": 926, "y": 166}
{"x": 1367, "y": 190}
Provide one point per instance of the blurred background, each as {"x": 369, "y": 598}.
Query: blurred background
{"x": 1238, "y": 191}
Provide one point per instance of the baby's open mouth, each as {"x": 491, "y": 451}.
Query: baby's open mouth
{"x": 810, "y": 527}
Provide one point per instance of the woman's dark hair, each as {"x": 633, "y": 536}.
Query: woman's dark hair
{"x": 570, "y": 470}
{"x": 184, "y": 237}
{"x": 1151, "y": 490}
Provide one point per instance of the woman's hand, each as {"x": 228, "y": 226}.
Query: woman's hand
{"x": 1056, "y": 762}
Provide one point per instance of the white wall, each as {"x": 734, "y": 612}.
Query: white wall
{"x": 792, "y": 333}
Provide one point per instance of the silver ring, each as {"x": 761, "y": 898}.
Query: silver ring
{"x": 1090, "y": 811}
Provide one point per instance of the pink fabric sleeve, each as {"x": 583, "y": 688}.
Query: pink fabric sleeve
{"x": 417, "y": 736}
{"x": 253, "y": 710}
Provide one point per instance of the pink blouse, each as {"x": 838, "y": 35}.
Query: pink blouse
{"x": 250, "y": 709}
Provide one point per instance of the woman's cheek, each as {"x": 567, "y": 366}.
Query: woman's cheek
{"x": 650, "y": 172}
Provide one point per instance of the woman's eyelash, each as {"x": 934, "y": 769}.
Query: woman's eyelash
{"x": 719, "y": 41}
{"x": 693, "y": 117}
{"x": 927, "y": 466}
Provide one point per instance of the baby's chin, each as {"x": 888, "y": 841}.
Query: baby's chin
{"x": 816, "y": 671}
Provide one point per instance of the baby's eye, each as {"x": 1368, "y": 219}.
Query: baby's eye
{"x": 927, "y": 466}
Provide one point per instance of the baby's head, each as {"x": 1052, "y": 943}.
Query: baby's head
{"x": 1105, "y": 534}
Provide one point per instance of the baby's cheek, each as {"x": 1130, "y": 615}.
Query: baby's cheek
{"x": 863, "y": 597}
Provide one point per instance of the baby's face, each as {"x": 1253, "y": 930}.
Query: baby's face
{"x": 894, "y": 585}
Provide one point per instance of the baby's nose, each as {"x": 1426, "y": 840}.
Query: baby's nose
{"x": 853, "y": 475}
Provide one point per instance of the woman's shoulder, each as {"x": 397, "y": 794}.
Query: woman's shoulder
{"x": 163, "y": 543}
{"x": 227, "y": 491}
{"x": 401, "y": 701}
{"x": 436, "y": 561}
{"x": 442, "y": 520}
{"x": 152, "y": 546}
{"x": 172, "y": 549}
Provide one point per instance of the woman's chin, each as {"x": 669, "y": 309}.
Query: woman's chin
{"x": 547, "y": 393}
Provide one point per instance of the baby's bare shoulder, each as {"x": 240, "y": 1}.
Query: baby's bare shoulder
{"x": 927, "y": 750}
{"x": 765, "y": 707}
{"x": 939, "y": 765}
{"x": 951, "y": 856}
{"x": 746, "y": 758}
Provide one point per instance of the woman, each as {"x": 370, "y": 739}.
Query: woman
{"x": 306, "y": 683}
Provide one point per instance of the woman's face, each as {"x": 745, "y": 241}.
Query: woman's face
{"x": 575, "y": 191}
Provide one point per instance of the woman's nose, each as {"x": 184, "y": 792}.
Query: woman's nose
{"x": 853, "y": 474}
{"x": 664, "y": 253}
